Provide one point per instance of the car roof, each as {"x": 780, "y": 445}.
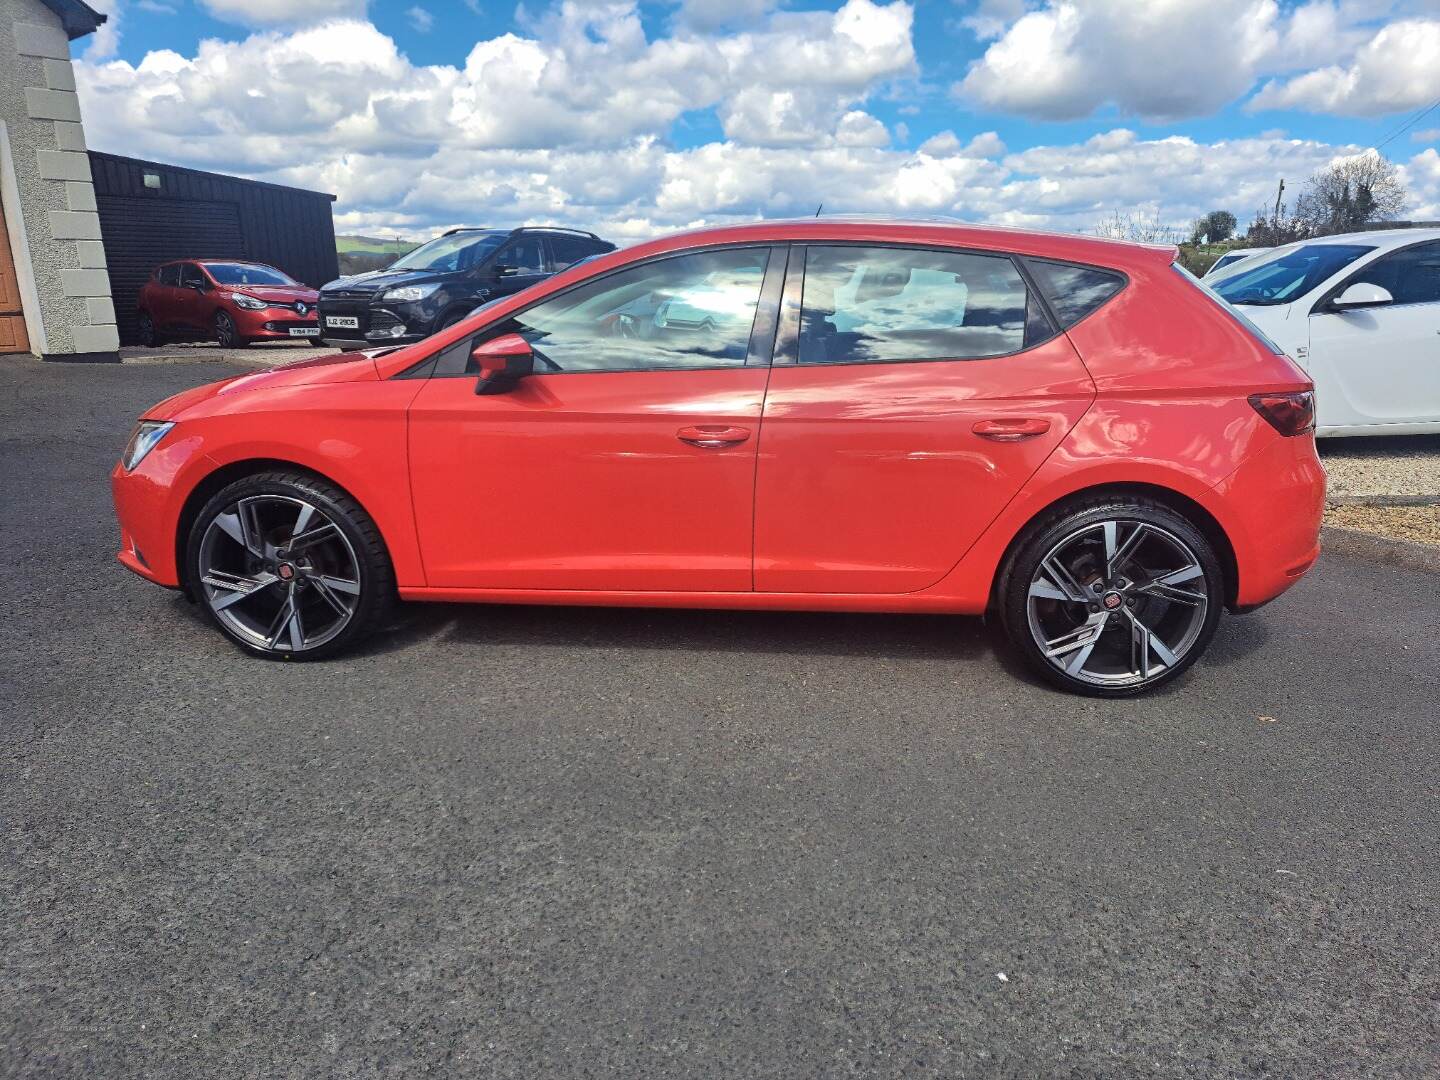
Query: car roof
{"x": 1378, "y": 238}
{"x": 231, "y": 262}
{"x": 946, "y": 232}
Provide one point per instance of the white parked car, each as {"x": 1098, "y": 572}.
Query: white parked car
{"x": 1361, "y": 314}
{"x": 1226, "y": 262}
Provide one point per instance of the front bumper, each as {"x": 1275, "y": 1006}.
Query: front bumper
{"x": 273, "y": 324}
{"x": 375, "y": 324}
{"x": 147, "y": 528}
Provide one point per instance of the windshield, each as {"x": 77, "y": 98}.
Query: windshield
{"x": 1288, "y": 276}
{"x": 247, "y": 274}
{"x": 444, "y": 254}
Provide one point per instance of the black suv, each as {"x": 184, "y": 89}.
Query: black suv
{"x": 441, "y": 282}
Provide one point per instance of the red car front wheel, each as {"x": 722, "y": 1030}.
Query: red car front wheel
{"x": 226, "y": 333}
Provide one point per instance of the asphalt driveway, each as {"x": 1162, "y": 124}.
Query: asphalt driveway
{"x": 525, "y": 842}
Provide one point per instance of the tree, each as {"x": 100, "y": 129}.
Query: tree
{"x": 1272, "y": 229}
{"x": 1351, "y": 192}
{"x": 1216, "y": 227}
{"x": 1133, "y": 226}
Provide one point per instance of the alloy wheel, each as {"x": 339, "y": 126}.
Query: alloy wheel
{"x": 224, "y": 330}
{"x": 278, "y": 573}
{"x": 1118, "y": 603}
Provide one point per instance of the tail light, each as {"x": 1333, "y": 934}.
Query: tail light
{"x": 1289, "y": 414}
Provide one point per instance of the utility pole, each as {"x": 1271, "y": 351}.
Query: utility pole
{"x": 1278, "y": 194}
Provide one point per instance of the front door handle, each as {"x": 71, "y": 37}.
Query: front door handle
{"x": 712, "y": 436}
{"x": 1011, "y": 428}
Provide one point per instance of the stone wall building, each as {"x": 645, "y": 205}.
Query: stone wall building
{"x": 55, "y": 297}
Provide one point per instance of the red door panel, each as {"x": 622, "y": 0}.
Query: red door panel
{"x": 874, "y": 477}
{"x": 625, "y": 480}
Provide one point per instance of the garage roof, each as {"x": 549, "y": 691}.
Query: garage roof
{"x": 77, "y": 17}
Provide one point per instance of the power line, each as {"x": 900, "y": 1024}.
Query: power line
{"x": 1408, "y": 124}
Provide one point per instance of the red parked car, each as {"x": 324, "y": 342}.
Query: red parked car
{"x": 1069, "y": 433}
{"x": 225, "y": 300}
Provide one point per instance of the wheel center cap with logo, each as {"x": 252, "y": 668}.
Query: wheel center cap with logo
{"x": 285, "y": 571}
{"x": 1112, "y": 601}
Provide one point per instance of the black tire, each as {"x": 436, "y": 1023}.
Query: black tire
{"x": 227, "y": 335}
{"x": 374, "y": 579}
{"x": 149, "y": 336}
{"x": 447, "y": 321}
{"x": 1077, "y": 536}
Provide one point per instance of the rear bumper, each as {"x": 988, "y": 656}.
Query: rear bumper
{"x": 1274, "y": 504}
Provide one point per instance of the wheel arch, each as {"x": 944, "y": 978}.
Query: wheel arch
{"x": 219, "y": 478}
{"x": 1187, "y": 507}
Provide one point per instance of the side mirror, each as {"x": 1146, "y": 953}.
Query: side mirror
{"x": 505, "y": 270}
{"x": 503, "y": 362}
{"x": 1362, "y": 295}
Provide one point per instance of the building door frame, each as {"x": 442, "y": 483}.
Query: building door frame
{"x": 18, "y": 241}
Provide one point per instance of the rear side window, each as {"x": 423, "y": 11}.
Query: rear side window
{"x": 168, "y": 275}
{"x": 875, "y": 305}
{"x": 1074, "y": 291}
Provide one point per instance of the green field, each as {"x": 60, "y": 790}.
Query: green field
{"x": 371, "y": 245}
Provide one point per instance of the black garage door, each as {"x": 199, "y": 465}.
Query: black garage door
{"x": 141, "y": 233}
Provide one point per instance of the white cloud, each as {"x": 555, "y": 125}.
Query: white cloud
{"x": 713, "y": 14}
{"x": 283, "y": 12}
{"x": 420, "y": 19}
{"x": 102, "y": 44}
{"x": 1397, "y": 69}
{"x": 1161, "y": 60}
{"x": 571, "y": 121}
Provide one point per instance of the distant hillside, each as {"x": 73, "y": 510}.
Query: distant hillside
{"x": 361, "y": 254}
{"x": 373, "y": 245}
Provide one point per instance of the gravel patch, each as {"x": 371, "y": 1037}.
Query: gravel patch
{"x": 1400, "y": 465}
{"x": 1418, "y": 523}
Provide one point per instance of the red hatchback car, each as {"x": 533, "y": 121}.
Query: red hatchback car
{"x": 224, "y": 300}
{"x": 1070, "y": 433}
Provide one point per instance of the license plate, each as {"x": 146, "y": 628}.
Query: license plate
{"x": 305, "y": 331}
{"x": 343, "y": 322}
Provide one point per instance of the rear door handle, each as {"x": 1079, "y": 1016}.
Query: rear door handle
{"x": 1011, "y": 428}
{"x": 713, "y": 436}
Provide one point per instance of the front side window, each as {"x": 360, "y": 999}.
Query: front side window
{"x": 691, "y": 311}
{"x": 190, "y": 276}
{"x": 247, "y": 274}
{"x": 1411, "y": 276}
{"x": 525, "y": 253}
{"x": 874, "y": 305}
{"x": 1283, "y": 278}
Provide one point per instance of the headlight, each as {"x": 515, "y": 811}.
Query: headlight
{"x": 249, "y": 303}
{"x": 142, "y": 440}
{"x": 411, "y": 292}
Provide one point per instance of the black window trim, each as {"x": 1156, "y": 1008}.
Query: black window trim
{"x": 1322, "y": 305}
{"x": 787, "y": 338}
{"x": 756, "y": 354}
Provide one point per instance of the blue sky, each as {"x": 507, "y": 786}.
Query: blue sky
{"x": 1185, "y": 103}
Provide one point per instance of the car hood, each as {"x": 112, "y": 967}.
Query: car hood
{"x": 333, "y": 367}
{"x": 378, "y": 280}
{"x": 285, "y": 294}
